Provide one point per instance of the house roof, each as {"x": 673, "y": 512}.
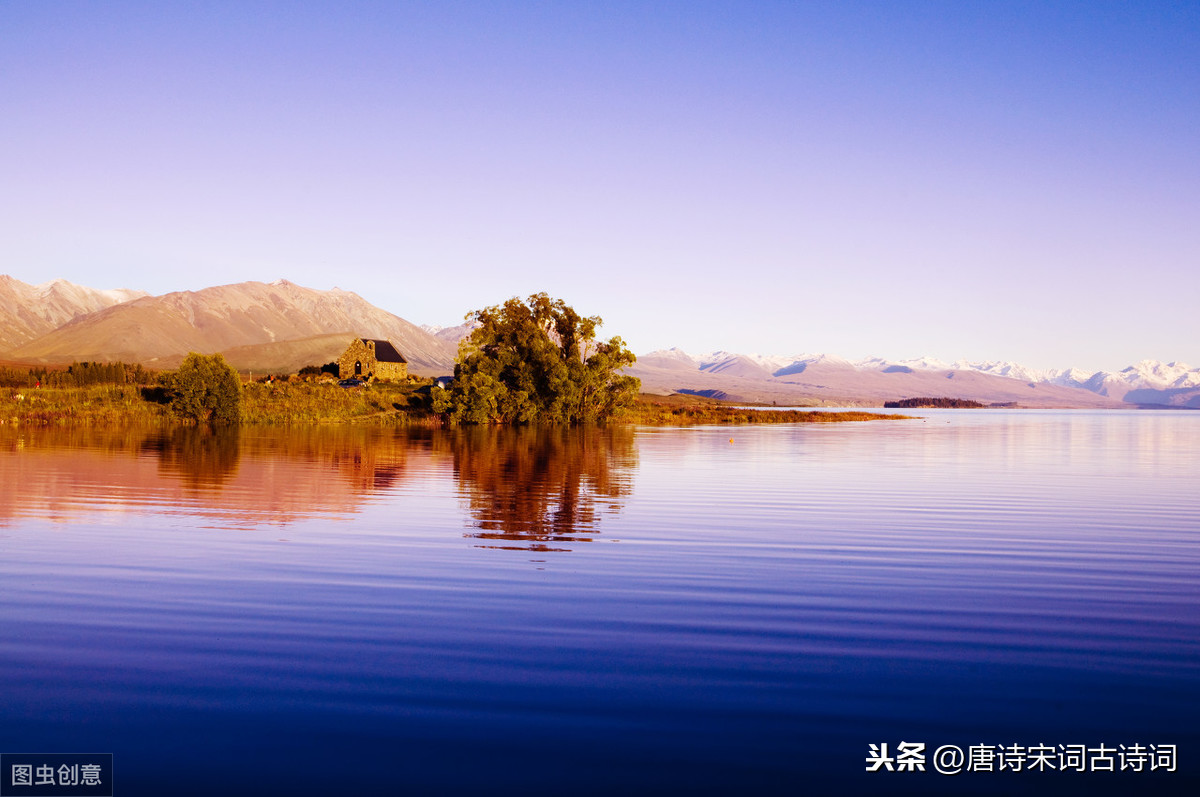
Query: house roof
{"x": 385, "y": 352}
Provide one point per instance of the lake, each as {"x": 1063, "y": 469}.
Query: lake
{"x": 712, "y": 610}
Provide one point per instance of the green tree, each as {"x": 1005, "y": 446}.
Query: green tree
{"x": 538, "y": 361}
{"x": 206, "y": 389}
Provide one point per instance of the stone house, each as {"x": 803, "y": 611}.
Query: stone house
{"x": 377, "y": 359}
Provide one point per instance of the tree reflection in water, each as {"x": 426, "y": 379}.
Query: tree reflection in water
{"x": 534, "y": 488}
{"x": 203, "y": 458}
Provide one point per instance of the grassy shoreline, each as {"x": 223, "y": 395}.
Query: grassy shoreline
{"x": 313, "y": 403}
{"x": 678, "y": 410}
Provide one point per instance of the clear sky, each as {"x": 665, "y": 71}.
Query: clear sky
{"x": 1000, "y": 180}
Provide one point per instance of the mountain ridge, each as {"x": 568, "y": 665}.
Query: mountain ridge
{"x": 831, "y": 383}
{"x": 155, "y": 329}
{"x": 29, "y": 311}
{"x": 1145, "y": 373}
{"x": 281, "y": 326}
{"x": 1147, "y": 382}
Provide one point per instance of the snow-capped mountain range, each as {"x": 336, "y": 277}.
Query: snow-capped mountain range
{"x": 1150, "y": 374}
{"x": 1148, "y": 381}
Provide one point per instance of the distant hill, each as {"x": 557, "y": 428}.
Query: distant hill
{"x": 159, "y": 330}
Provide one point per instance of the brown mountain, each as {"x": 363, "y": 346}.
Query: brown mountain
{"x": 157, "y": 330}
{"x": 29, "y": 311}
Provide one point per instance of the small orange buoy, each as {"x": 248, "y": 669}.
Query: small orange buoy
{"x": 731, "y": 441}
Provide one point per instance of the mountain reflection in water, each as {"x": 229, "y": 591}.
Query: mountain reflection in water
{"x": 528, "y": 489}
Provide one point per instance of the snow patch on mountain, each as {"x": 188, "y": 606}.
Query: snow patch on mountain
{"x": 1159, "y": 375}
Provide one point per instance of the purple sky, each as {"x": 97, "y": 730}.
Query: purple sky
{"x": 963, "y": 180}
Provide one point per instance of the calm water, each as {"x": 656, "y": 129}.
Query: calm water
{"x": 626, "y": 611}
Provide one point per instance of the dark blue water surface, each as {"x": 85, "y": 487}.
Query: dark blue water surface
{"x": 629, "y": 611}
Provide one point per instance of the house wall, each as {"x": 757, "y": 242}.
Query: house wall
{"x": 365, "y": 353}
{"x": 357, "y": 352}
{"x": 391, "y": 371}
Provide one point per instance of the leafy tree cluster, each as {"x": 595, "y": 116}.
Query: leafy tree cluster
{"x": 537, "y": 361}
{"x": 82, "y": 374}
{"x": 206, "y": 389}
{"x": 14, "y": 377}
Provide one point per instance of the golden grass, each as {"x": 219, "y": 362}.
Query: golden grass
{"x": 97, "y": 405}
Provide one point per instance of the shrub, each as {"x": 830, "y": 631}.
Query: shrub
{"x": 206, "y": 389}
